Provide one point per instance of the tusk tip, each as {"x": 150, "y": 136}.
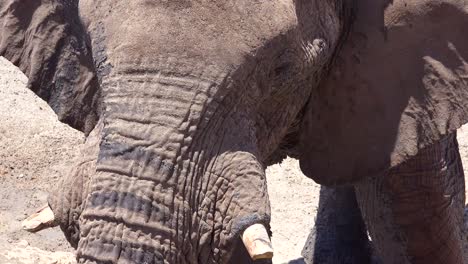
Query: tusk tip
{"x": 257, "y": 242}
{"x": 40, "y": 220}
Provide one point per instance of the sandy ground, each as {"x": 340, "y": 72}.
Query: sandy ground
{"x": 36, "y": 149}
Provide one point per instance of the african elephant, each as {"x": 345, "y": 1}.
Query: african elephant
{"x": 186, "y": 102}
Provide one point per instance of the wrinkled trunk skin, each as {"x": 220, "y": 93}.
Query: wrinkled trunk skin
{"x": 415, "y": 213}
{"x": 168, "y": 178}
{"x": 339, "y": 234}
{"x": 172, "y": 187}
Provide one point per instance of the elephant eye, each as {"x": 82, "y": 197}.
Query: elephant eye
{"x": 285, "y": 63}
{"x": 282, "y": 68}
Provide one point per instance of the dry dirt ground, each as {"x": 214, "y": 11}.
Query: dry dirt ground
{"x": 36, "y": 149}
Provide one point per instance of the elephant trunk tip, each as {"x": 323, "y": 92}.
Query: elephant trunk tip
{"x": 257, "y": 242}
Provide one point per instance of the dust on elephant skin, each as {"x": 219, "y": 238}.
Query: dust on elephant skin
{"x": 193, "y": 100}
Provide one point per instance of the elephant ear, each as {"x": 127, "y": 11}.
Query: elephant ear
{"x": 398, "y": 84}
{"x": 47, "y": 41}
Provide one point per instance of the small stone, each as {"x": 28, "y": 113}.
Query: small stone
{"x": 20, "y": 176}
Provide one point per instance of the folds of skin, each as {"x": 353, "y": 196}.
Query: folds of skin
{"x": 414, "y": 214}
{"x": 177, "y": 187}
{"x": 190, "y": 211}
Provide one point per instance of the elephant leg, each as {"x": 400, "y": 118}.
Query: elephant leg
{"x": 414, "y": 213}
{"x": 339, "y": 235}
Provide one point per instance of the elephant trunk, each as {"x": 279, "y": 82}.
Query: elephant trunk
{"x": 177, "y": 177}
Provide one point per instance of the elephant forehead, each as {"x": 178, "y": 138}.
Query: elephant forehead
{"x": 225, "y": 30}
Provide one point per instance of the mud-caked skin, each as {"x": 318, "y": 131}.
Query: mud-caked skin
{"x": 193, "y": 99}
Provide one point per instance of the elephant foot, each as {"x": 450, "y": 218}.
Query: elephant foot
{"x": 339, "y": 235}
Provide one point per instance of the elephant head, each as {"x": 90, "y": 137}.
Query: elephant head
{"x": 186, "y": 103}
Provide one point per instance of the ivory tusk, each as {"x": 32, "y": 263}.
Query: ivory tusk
{"x": 257, "y": 242}
{"x": 42, "y": 219}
